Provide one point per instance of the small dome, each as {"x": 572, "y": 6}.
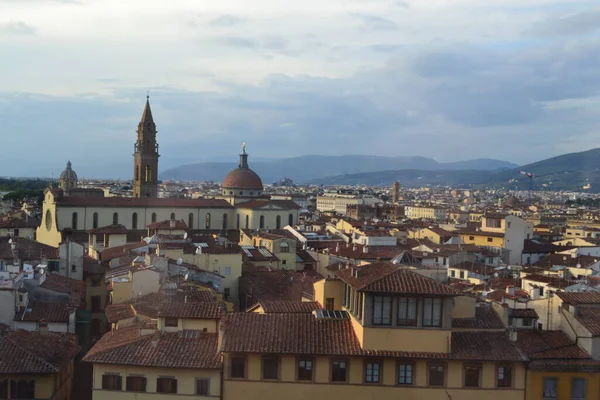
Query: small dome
{"x": 511, "y": 201}
{"x": 243, "y": 178}
{"x": 68, "y": 173}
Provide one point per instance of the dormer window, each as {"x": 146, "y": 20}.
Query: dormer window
{"x": 171, "y": 322}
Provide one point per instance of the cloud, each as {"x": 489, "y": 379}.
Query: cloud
{"x": 375, "y": 23}
{"x": 226, "y": 21}
{"x": 17, "y": 28}
{"x": 581, "y": 23}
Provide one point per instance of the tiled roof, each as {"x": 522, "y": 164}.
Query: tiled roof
{"x": 25, "y": 352}
{"x": 141, "y": 202}
{"x": 190, "y": 310}
{"x": 475, "y": 267}
{"x": 183, "y": 349}
{"x": 565, "y": 259}
{"x": 166, "y": 225}
{"x": 42, "y": 310}
{"x": 483, "y": 346}
{"x": 590, "y": 319}
{"x": 277, "y": 285}
{"x": 117, "y": 312}
{"x": 552, "y": 281}
{"x": 149, "y": 305}
{"x": 385, "y": 277}
{"x": 305, "y": 307}
{"x": 523, "y": 313}
{"x": 288, "y": 334}
{"x": 62, "y": 284}
{"x": 27, "y": 249}
{"x": 548, "y": 345}
{"x": 119, "y": 251}
{"x": 485, "y": 318}
{"x": 576, "y": 298}
{"x": 254, "y": 204}
{"x": 574, "y": 365}
{"x": 110, "y": 229}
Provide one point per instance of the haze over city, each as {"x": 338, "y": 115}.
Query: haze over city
{"x": 429, "y": 77}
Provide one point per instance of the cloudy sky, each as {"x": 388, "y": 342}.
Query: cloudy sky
{"x": 450, "y": 79}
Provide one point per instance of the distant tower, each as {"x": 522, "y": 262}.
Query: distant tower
{"x": 395, "y": 192}
{"x": 68, "y": 178}
{"x": 145, "y": 156}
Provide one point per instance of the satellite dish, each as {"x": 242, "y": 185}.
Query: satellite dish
{"x": 179, "y": 261}
{"x": 9, "y": 241}
{"x": 185, "y": 235}
{"x": 509, "y": 267}
{"x": 496, "y": 274}
{"x": 185, "y": 277}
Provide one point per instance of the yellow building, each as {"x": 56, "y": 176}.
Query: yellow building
{"x": 392, "y": 333}
{"x": 436, "y": 234}
{"x": 278, "y": 243}
{"x": 179, "y": 359}
{"x": 37, "y": 365}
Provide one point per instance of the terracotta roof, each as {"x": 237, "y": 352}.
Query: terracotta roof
{"x": 141, "y": 202}
{"x": 552, "y": 281}
{"x": 576, "y": 365}
{"x": 17, "y": 223}
{"x": 548, "y": 345}
{"x": 62, "y": 284}
{"x": 242, "y": 178}
{"x": 590, "y": 319}
{"x": 149, "y": 305}
{"x": 480, "y": 233}
{"x": 277, "y": 285}
{"x": 523, "y": 313}
{"x": 483, "y": 346}
{"x": 117, "y": 312}
{"x": 303, "y": 307}
{"x": 110, "y": 229}
{"x": 475, "y": 267}
{"x": 41, "y": 310}
{"x": 190, "y": 310}
{"x": 385, "y": 277}
{"x": 162, "y": 350}
{"x": 166, "y": 225}
{"x": 27, "y": 249}
{"x": 26, "y": 352}
{"x": 254, "y": 204}
{"x": 576, "y": 298}
{"x": 565, "y": 259}
{"x": 288, "y": 334}
{"x": 485, "y": 318}
{"x": 119, "y": 251}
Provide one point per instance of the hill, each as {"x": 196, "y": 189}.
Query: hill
{"x": 312, "y": 167}
{"x": 566, "y": 172}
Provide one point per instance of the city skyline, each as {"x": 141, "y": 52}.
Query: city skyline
{"x": 448, "y": 82}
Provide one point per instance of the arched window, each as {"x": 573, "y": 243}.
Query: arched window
{"x": 153, "y": 217}
{"x": 137, "y": 172}
{"x": 191, "y": 221}
{"x": 134, "y": 221}
{"x": 115, "y": 218}
{"x": 208, "y": 221}
{"x": 278, "y": 222}
{"x": 262, "y": 222}
{"x": 237, "y": 221}
{"x": 247, "y": 222}
{"x": 172, "y": 215}
{"x": 95, "y": 220}
{"x": 74, "y": 221}
{"x": 291, "y": 220}
{"x": 224, "y": 222}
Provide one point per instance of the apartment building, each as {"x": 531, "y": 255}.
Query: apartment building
{"x": 434, "y": 213}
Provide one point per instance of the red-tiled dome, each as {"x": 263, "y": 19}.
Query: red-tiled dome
{"x": 242, "y": 178}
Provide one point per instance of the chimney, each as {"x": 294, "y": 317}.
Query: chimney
{"x": 366, "y": 249}
{"x": 172, "y": 223}
{"x": 510, "y": 290}
{"x": 513, "y": 335}
{"x": 337, "y": 247}
{"x": 354, "y": 247}
{"x": 43, "y": 327}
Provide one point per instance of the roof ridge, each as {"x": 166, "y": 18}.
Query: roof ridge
{"x": 47, "y": 363}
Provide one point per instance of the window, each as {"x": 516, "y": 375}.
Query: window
{"x": 74, "y": 221}
{"x": 227, "y": 270}
{"x": 490, "y": 240}
{"x": 166, "y": 385}
{"x": 96, "y": 304}
{"x": 270, "y": 368}
{"x": 237, "y": 221}
{"x": 284, "y": 248}
{"x": 226, "y": 292}
{"x": 238, "y": 367}
{"x": 135, "y": 384}
{"x": 172, "y": 216}
{"x": 202, "y": 387}
{"x": 330, "y": 303}
{"x": 153, "y": 217}
{"x": 382, "y": 310}
{"x": 527, "y": 322}
{"x": 578, "y": 389}
{"x": 247, "y": 222}
{"x": 170, "y": 321}
{"x": 283, "y": 262}
{"x": 4, "y": 389}
{"x": 462, "y": 274}
{"x": 432, "y": 312}
{"x": 339, "y": 371}
{"x": 305, "y": 369}
{"x": 436, "y": 375}
{"x": 453, "y": 273}
{"x": 504, "y": 376}
{"x": 278, "y": 222}
{"x": 95, "y": 220}
{"x": 262, "y": 222}
{"x": 191, "y": 221}
{"x": 24, "y": 389}
{"x": 115, "y": 218}
{"x": 471, "y": 237}
{"x": 291, "y": 220}
{"x": 407, "y": 311}
{"x": 405, "y": 373}
{"x": 134, "y": 221}
{"x": 224, "y": 222}
{"x": 111, "y": 382}
{"x": 550, "y": 386}
{"x": 472, "y": 373}
{"x": 207, "y": 221}
{"x": 372, "y": 372}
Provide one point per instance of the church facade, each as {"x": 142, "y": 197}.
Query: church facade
{"x": 241, "y": 205}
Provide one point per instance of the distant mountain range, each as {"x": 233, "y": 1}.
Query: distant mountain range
{"x": 316, "y": 168}
{"x": 570, "y": 171}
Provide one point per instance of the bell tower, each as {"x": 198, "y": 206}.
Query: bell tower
{"x": 145, "y": 156}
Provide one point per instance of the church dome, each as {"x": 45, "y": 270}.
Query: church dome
{"x": 511, "y": 201}
{"x": 243, "y": 177}
{"x": 68, "y": 178}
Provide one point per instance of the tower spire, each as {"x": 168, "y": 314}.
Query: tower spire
{"x": 243, "y": 157}
{"x": 147, "y": 114}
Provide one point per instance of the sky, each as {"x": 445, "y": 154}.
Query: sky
{"x": 516, "y": 80}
